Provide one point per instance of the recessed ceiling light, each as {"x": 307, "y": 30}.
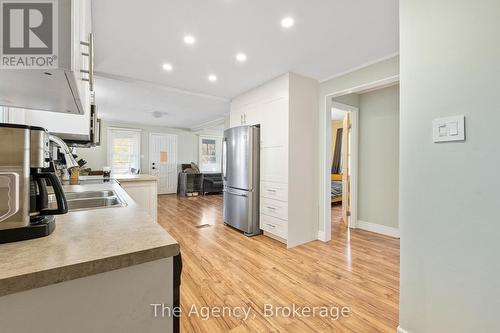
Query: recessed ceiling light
{"x": 241, "y": 57}
{"x": 212, "y": 78}
{"x": 188, "y": 39}
{"x": 287, "y": 22}
{"x": 167, "y": 67}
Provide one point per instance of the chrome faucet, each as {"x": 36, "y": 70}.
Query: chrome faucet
{"x": 68, "y": 156}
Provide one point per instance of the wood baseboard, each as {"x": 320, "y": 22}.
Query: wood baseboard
{"x": 378, "y": 228}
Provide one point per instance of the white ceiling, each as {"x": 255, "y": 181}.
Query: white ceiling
{"x": 134, "y": 38}
{"x": 137, "y": 102}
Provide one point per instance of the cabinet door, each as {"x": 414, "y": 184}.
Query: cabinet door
{"x": 236, "y": 118}
{"x": 144, "y": 194}
{"x": 274, "y": 164}
{"x": 252, "y": 115}
{"x": 274, "y": 127}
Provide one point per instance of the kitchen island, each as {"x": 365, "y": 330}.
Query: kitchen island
{"x": 99, "y": 271}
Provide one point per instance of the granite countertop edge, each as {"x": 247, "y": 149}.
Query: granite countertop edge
{"x": 52, "y": 276}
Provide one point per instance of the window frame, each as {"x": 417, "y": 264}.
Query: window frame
{"x": 218, "y": 152}
{"x": 109, "y": 141}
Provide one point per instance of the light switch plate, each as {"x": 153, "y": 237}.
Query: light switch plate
{"x": 448, "y": 129}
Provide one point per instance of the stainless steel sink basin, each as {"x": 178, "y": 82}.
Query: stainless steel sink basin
{"x": 89, "y": 194}
{"x": 87, "y": 200}
{"x": 94, "y": 203}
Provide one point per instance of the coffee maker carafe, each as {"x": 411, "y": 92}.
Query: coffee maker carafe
{"x": 24, "y": 213}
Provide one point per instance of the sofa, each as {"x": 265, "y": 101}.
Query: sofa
{"x": 212, "y": 183}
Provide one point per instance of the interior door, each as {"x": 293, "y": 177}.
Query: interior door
{"x": 163, "y": 161}
{"x": 346, "y": 173}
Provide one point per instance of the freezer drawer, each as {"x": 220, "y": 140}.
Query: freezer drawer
{"x": 241, "y": 210}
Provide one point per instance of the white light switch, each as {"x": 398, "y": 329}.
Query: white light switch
{"x": 448, "y": 129}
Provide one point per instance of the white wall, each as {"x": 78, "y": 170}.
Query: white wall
{"x": 450, "y": 192}
{"x": 378, "y": 157}
{"x": 187, "y": 145}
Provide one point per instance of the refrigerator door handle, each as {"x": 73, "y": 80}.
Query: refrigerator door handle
{"x": 236, "y": 194}
{"x": 224, "y": 159}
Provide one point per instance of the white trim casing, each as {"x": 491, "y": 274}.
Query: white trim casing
{"x": 400, "y": 330}
{"x": 378, "y": 228}
{"x": 366, "y": 64}
{"x": 109, "y": 149}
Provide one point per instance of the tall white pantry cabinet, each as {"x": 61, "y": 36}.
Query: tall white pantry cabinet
{"x": 286, "y": 109}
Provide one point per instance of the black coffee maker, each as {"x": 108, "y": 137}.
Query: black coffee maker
{"x": 24, "y": 194}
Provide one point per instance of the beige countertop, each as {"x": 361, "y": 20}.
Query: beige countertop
{"x": 85, "y": 243}
{"x": 135, "y": 178}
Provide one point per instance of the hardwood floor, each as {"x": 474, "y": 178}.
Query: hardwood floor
{"x": 221, "y": 267}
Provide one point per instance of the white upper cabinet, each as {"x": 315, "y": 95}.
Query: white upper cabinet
{"x": 66, "y": 88}
{"x": 246, "y": 115}
{"x": 252, "y": 115}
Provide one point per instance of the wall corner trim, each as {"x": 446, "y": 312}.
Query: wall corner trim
{"x": 321, "y": 236}
{"x": 378, "y": 228}
{"x": 400, "y": 330}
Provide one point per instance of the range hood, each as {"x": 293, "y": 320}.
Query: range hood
{"x": 38, "y": 89}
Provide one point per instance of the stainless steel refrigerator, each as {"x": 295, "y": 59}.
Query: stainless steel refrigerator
{"x": 240, "y": 173}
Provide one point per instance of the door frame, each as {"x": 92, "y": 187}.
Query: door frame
{"x": 325, "y": 154}
{"x": 176, "y": 151}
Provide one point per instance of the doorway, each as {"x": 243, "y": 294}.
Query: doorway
{"x": 339, "y": 99}
{"x": 163, "y": 161}
{"x": 343, "y": 150}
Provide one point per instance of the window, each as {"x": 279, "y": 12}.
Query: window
{"x": 210, "y": 153}
{"x": 124, "y": 150}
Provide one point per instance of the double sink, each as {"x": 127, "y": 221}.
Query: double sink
{"x": 87, "y": 200}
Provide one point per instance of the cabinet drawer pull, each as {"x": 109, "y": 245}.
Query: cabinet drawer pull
{"x": 271, "y": 208}
{"x": 271, "y": 190}
{"x": 271, "y": 225}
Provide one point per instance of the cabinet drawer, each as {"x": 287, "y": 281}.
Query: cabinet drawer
{"x": 274, "y": 226}
{"x": 277, "y": 191}
{"x": 274, "y": 208}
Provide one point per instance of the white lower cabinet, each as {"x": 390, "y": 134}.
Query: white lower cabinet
{"x": 144, "y": 193}
{"x": 274, "y": 226}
